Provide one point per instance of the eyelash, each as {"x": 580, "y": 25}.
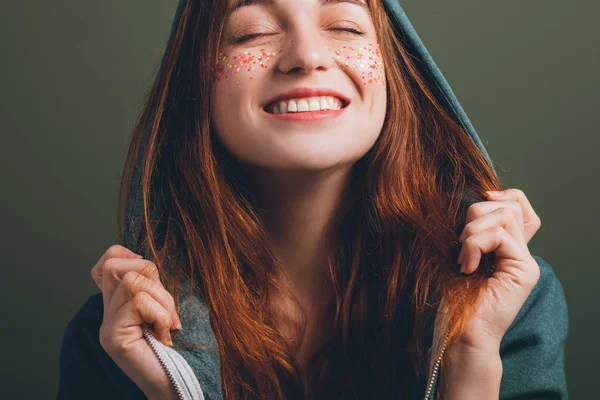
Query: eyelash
{"x": 245, "y": 38}
{"x": 351, "y": 30}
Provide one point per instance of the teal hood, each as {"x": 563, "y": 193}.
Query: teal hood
{"x": 532, "y": 350}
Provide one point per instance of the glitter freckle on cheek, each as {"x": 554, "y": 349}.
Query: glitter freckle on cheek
{"x": 247, "y": 61}
{"x": 366, "y": 59}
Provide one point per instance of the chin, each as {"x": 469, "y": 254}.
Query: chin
{"x": 301, "y": 151}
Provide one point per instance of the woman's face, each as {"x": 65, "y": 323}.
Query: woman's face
{"x": 299, "y": 84}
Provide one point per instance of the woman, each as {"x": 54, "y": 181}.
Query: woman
{"x": 311, "y": 207}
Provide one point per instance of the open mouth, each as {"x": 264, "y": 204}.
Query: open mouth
{"x": 306, "y": 104}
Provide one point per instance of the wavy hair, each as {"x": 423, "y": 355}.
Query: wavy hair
{"x": 392, "y": 246}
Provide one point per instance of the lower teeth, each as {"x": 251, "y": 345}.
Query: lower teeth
{"x": 297, "y": 112}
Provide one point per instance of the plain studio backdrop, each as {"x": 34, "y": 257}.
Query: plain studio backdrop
{"x": 74, "y": 73}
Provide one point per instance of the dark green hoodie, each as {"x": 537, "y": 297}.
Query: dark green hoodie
{"x": 532, "y": 351}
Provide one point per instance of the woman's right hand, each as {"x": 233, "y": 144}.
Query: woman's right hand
{"x": 134, "y": 295}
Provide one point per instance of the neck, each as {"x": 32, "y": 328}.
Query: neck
{"x": 298, "y": 208}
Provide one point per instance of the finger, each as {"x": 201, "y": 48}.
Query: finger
{"x": 133, "y": 283}
{"x": 502, "y": 216}
{"x": 481, "y": 208}
{"x": 142, "y": 308}
{"x": 531, "y": 221}
{"x": 495, "y": 239}
{"x": 115, "y": 268}
{"x": 114, "y": 251}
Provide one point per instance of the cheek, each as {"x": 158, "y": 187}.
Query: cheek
{"x": 237, "y": 67}
{"x": 364, "y": 61}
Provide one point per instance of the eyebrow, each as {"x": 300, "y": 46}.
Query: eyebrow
{"x": 271, "y": 3}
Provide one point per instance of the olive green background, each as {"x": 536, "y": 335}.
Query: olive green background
{"x": 74, "y": 73}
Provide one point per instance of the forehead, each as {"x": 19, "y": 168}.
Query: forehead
{"x": 235, "y": 4}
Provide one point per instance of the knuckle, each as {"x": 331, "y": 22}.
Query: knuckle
{"x": 472, "y": 211}
{"x": 150, "y": 270}
{"x": 509, "y": 214}
{"x": 518, "y": 192}
{"x": 157, "y": 286}
{"x": 506, "y": 212}
{"x": 518, "y": 211}
{"x": 468, "y": 231}
{"x": 141, "y": 301}
{"x": 133, "y": 281}
{"x": 498, "y": 230}
{"x": 110, "y": 264}
{"x": 515, "y": 207}
{"x": 131, "y": 278}
{"x": 114, "y": 249}
{"x": 171, "y": 302}
{"x": 469, "y": 241}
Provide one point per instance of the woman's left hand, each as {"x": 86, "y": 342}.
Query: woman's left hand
{"x": 503, "y": 225}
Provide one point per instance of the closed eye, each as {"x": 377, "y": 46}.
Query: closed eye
{"x": 250, "y": 36}
{"x": 351, "y": 30}
{"x": 245, "y": 38}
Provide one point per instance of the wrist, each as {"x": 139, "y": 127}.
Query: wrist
{"x": 472, "y": 373}
{"x": 470, "y": 351}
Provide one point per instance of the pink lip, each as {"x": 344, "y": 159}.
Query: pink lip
{"x": 308, "y": 92}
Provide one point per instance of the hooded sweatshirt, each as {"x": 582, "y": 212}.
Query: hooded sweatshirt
{"x": 532, "y": 350}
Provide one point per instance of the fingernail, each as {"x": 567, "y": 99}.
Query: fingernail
{"x": 177, "y": 325}
{"x": 462, "y": 269}
{"x": 169, "y": 341}
{"x": 494, "y": 193}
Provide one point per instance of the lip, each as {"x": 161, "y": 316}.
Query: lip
{"x": 308, "y": 92}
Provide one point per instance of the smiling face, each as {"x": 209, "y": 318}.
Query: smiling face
{"x": 299, "y": 84}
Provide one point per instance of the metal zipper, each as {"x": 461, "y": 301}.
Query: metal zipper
{"x": 436, "y": 368}
{"x": 151, "y": 341}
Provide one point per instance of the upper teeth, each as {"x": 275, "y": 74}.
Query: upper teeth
{"x": 306, "y": 104}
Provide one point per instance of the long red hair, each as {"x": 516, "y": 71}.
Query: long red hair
{"x": 393, "y": 245}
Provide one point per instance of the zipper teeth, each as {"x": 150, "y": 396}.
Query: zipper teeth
{"x": 169, "y": 373}
{"x": 436, "y": 368}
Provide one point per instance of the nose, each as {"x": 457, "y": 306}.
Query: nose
{"x": 305, "y": 53}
